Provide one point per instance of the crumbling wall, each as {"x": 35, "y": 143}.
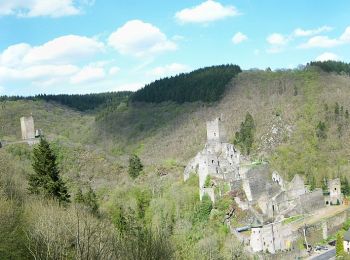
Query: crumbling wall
{"x": 27, "y": 128}
{"x": 215, "y": 131}
{"x": 255, "y": 183}
{"x": 312, "y": 201}
{"x": 336, "y": 222}
{"x": 296, "y": 187}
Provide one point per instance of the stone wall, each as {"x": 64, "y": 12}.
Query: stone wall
{"x": 312, "y": 201}
{"x": 215, "y": 131}
{"x": 27, "y": 128}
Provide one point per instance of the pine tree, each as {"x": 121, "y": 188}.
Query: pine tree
{"x": 321, "y": 130}
{"x": 339, "y": 246}
{"x": 336, "y": 109}
{"x": 312, "y": 183}
{"x": 245, "y": 137}
{"x": 46, "y": 179}
{"x": 345, "y": 187}
{"x": 135, "y": 166}
{"x": 89, "y": 199}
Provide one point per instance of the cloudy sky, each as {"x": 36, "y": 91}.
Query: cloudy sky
{"x": 84, "y": 46}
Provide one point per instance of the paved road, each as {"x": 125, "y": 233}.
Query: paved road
{"x": 325, "y": 256}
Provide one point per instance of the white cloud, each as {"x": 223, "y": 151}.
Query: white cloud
{"x": 207, "y": 11}
{"x": 239, "y": 37}
{"x": 277, "y": 39}
{"x": 130, "y": 86}
{"x": 327, "y": 56}
{"x": 52, "y": 62}
{"x": 64, "y": 49}
{"x": 14, "y": 54}
{"x": 34, "y": 8}
{"x": 88, "y": 74}
{"x": 113, "y": 70}
{"x": 320, "y": 42}
{"x": 345, "y": 37}
{"x": 169, "y": 70}
{"x": 60, "y": 50}
{"x": 326, "y": 42}
{"x": 36, "y": 72}
{"x": 139, "y": 39}
{"x": 303, "y": 33}
{"x": 277, "y": 42}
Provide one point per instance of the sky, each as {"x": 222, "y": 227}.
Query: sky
{"x": 91, "y": 46}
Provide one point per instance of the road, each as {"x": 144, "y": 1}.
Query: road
{"x": 330, "y": 254}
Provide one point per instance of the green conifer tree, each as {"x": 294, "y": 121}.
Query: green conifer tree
{"x": 245, "y": 137}
{"x": 339, "y": 246}
{"x": 46, "y": 179}
{"x": 345, "y": 187}
{"x": 135, "y": 166}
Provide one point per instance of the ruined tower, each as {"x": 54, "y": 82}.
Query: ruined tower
{"x": 216, "y": 131}
{"x": 27, "y": 128}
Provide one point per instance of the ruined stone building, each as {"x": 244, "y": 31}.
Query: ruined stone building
{"x": 27, "y": 128}
{"x": 218, "y": 159}
{"x": 270, "y": 238}
{"x": 29, "y": 134}
{"x": 268, "y": 199}
{"x": 334, "y": 195}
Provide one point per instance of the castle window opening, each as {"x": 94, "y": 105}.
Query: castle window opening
{"x": 214, "y": 134}
{"x": 212, "y": 161}
{"x": 218, "y": 163}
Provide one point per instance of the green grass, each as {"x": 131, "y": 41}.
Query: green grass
{"x": 292, "y": 219}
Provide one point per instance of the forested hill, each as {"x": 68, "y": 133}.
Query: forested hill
{"x": 79, "y": 102}
{"x": 206, "y": 84}
{"x": 338, "y": 67}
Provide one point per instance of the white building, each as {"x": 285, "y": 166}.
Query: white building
{"x": 347, "y": 241}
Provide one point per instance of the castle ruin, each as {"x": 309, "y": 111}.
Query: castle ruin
{"x": 29, "y": 134}
{"x": 27, "y": 128}
{"x": 218, "y": 160}
{"x": 269, "y": 199}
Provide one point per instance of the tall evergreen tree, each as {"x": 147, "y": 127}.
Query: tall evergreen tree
{"x": 46, "y": 179}
{"x": 339, "y": 246}
{"x": 245, "y": 137}
{"x": 135, "y": 166}
{"x": 345, "y": 187}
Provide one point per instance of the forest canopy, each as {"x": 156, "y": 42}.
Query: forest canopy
{"x": 79, "y": 102}
{"x": 206, "y": 84}
{"x": 338, "y": 67}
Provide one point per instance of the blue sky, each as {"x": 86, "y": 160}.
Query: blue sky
{"x": 84, "y": 46}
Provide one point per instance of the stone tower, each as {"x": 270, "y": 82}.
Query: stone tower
{"x": 27, "y": 127}
{"x": 215, "y": 131}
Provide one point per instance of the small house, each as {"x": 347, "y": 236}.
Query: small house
{"x": 347, "y": 241}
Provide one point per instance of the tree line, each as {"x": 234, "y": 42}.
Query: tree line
{"x": 338, "y": 67}
{"x": 81, "y": 102}
{"x": 206, "y": 84}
